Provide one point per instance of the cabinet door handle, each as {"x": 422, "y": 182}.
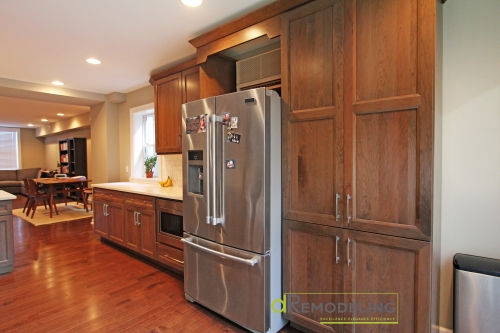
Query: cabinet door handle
{"x": 135, "y": 218}
{"x": 348, "y": 253}
{"x": 104, "y": 209}
{"x": 337, "y": 216}
{"x": 337, "y": 258}
{"x": 138, "y": 219}
{"x": 349, "y": 208}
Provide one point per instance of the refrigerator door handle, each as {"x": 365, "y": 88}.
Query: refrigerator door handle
{"x": 208, "y": 159}
{"x": 249, "y": 262}
{"x": 216, "y": 218}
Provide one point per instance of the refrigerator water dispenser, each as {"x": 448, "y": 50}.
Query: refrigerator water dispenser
{"x": 195, "y": 172}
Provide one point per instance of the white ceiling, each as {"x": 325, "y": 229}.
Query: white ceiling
{"x": 43, "y": 41}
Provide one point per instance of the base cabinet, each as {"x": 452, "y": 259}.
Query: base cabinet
{"x": 140, "y": 224}
{"x": 108, "y": 215}
{"x": 6, "y": 237}
{"x": 130, "y": 220}
{"x": 371, "y": 277}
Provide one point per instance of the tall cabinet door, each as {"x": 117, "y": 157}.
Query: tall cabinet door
{"x": 100, "y": 223}
{"x": 146, "y": 221}
{"x": 388, "y": 115}
{"x": 398, "y": 271}
{"x": 312, "y": 111}
{"x": 116, "y": 223}
{"x": 168, "y": 102}
{"x": 312, "y": 272}
{"x": 132, "y": 230}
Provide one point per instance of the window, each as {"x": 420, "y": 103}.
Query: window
{"x": 142, "y": 136}
{"x": 9, "y": 149}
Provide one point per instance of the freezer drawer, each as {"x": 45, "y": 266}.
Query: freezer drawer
{"x": 477, "y": 294}
{"x": 231, "y": 282}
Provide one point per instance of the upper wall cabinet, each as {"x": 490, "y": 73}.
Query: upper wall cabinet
{"x": 185, "y": 83}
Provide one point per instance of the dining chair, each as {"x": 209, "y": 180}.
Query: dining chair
{"x": 27, "y": 190}
{"x": 37, "y": 196}
{"x": 87, "y": 192}
{"x": 27, "y": 205}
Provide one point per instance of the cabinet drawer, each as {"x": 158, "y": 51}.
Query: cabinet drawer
{"x": 170, "y": 256}
{"x": 108, "y": 195}
{"x": 169, "y": 204}
{"x": 142, "y": 201}
{"x": 5, "y": 207}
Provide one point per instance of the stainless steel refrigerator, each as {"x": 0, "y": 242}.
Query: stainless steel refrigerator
{"x": 232, "y": 206}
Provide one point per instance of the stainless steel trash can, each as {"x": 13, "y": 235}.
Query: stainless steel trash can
{"x": 476, "y": 294}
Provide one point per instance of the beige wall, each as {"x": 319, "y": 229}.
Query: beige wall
{"x": 105, "y": 154}
{"x": 32, "y": 149}
{"x": 471, "y": 138}
{"x": 52, "y": 148}
{"x": 135, "y": 98}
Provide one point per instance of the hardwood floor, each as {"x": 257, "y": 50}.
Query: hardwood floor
{"x": 66, "y": 280}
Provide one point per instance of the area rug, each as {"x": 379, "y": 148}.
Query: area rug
{"x": 66, "y": 213}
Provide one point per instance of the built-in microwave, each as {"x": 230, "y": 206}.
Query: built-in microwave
{"x": 169, "y": 222}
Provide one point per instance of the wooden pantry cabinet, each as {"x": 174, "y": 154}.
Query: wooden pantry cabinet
{"x": 182, "y": 84}
{"x": 357, "y": 122}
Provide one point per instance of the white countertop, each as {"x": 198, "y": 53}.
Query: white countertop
{"x": 153, "y": 189}
{"x": 7, "y": 196}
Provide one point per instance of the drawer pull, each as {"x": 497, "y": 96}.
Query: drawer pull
{"x": 176, "y": 260}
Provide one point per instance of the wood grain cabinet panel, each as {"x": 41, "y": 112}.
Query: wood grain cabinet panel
{"x": 385, "y": 48}
{"x": 132, "y": 230}
{"x": 100, "y": 225}
{"x": 385, "y": 168}
{"x": 388, "y": 116}
{"x": 191, "y": 85}
{"x": 312, "y": 56}
{"x": 311, "y": 272}
{"x": 214, "y": 77}
{"x": 140, "y": 224}
{"x": 389, "y": 265}
{"x": 116, "y": 223}
{"x": 323, "y": 265}
{"x": 358, "y": 91}
{"x": 168, "y": 101}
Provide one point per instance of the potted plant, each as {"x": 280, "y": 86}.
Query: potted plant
{"x": 149, "y": 163}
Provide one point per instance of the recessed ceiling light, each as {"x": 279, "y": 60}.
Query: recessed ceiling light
{"x": 93, "y": 61}
{"x": 57, "y": 83}
{"x": 44, "y": 119}
{"x": 192, "y": 3}
{"x": 30, "y": 125}
{"x": 60, "y": 114}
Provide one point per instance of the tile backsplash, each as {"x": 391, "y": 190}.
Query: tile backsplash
{"x": 171, "y": 166}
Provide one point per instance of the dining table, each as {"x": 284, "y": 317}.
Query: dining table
{"x": 54, "y": 183}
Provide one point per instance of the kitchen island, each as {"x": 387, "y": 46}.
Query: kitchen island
{"x": 6, "y": 233}
{"x": 143, "y": 218}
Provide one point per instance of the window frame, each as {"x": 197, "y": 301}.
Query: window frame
{"x": 137, "y": 151}
{"x": 18, "y": 145}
